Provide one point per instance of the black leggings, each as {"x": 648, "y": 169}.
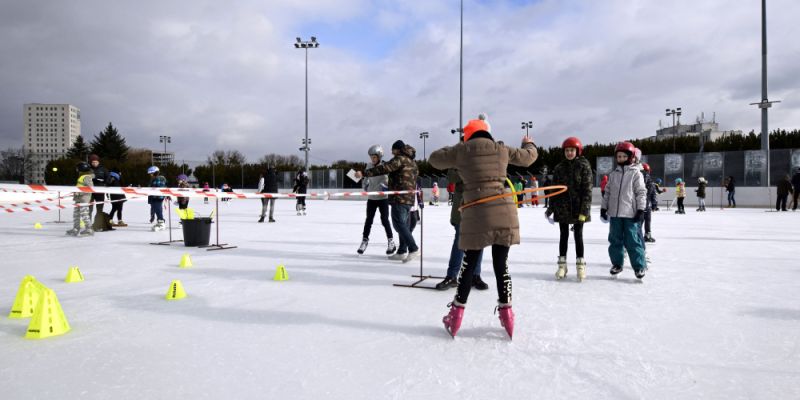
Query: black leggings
{"x": 563, "y": 243}
{"x": 648, "y": 217}
{"x": 500, "y": 261}
{"x": 375, "y": 205}
{"x": 680, "y": 203}
{"x": 116, "y": 208}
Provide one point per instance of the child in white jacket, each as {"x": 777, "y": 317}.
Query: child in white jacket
{"x": 624, "y": 202}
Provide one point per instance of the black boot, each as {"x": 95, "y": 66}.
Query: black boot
{"x": 261, "y": 219}
{"x": 447, "y": 283}
{"x": 478, "y": 283}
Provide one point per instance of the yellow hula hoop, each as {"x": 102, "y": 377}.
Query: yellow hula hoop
{"x": 561, "y": 189}
{"x": 513, "y": 190}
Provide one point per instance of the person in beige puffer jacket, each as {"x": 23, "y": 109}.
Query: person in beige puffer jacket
{"x": 481, "y": 162}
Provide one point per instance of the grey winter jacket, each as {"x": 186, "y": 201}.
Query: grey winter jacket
{"x": 376, "y": 184}
{"x": 625, "y": 192}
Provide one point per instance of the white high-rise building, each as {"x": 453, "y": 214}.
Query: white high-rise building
{"x": 50, "y": 130}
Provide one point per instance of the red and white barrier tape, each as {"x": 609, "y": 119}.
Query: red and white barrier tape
{"x": 54, "y": 207}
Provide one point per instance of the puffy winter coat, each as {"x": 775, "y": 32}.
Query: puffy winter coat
{"x": 402, "y": 171}
{"x": 576, "y": 175}
{"x": 701, "y": 190}
{"x": 377, "y": 183}
{"x": 157, "y": 182}
{"x": 625, "y": 192}
{"x": 680, "y": 190}
{"x": 100, "y": 175}
{"x": 482, "y": 163}
{"x": 85, "y": 180}
{"x": 458, "y": 195}
{"x": 784, "y": 187}
{"x": 652, "y": 194}
{"x": 796, "y": 181}
{"x": 269, "y": 183}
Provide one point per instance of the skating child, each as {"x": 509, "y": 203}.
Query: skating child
{"x": 82, "y": 215}
{"x": 117, "y": 199}
{"x": 183, "y": 182}
{"x": 534, "y": 195}
{"x": 680, "y": 194}
{"x": 624, "y": 203}
{"x": 156, "y": 202}
{"x": 572, "y": 207}
{"x": 482, "y": 164}
{"x": 377, "y": 202}
{"x": 701, "y": 193}
{"x": 300, "y": 187}
{"x": 435, "y": 194}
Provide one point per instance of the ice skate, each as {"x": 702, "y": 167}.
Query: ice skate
{"x": 649, "y": 238}
{"x": 271, "y": 219}
{"x": 398, "y": 256}
{"x": 121, "y": 224}
{"x": 447, "y": 283}
{"x": 412, "y": 255}
{"x": 73, "y": 232}
{"x": 363, "y": 247}
{"x": 260, "y": 220}
{"x": 615, "y": 270}
{"x": 452, "y": 321}
{"x": 86, "y": 232}
{"x": 640, "y": 273}
{"x": 562, "y": 268}
{"x": 159, "y": 226}
{"x": 391, "y": 247}
{"x": 580, "y": 265}
{"x": 506, "y": 318}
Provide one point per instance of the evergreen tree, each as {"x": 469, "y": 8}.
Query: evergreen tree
{"x": 79, "y": 150}
{"x": 110, "y": 145}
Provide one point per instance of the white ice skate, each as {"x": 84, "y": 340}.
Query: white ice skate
{"x": 580, "y": 265}
{"x": 562, "y": 268}
{"x": 391, "y": 247}
{"x": 159, "y": 226}
{"x": 363, "y": 247}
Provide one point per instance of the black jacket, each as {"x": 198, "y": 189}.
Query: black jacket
{"x": 701, "y": 190}
{"x": 100, "y": 176}
{"x": 784, "y": 187}
{"x": 796, "y": 181}
{"x": 271, "y": 181}
{"x": 300, "y": 184}
{"x": 731, "y": 186}
{"x": 114, "y": 182}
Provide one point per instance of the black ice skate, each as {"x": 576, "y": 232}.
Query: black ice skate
{"x": 615, "y": 270}
{"x": 363, "y": 247}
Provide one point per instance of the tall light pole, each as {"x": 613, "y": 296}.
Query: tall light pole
{"x": 165, "y": 140}
{"x": 305, "y": 45}
{"x": 424, "y": 137}
{"x": 764, "y": 104}
{"x": 673, "y": 113}
{"x": 527, "y": 125}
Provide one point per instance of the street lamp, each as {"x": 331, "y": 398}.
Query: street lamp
{"x": 526, "y": 126}
{"x": 165, "y": 140}
{"x": 424, "y": 137}
{"x": 764, "y": 104}
{"x": 305, "y": 45}
{"x": 673, "y": 113}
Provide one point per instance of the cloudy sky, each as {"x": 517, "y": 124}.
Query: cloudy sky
{"x": 225, "y": 75}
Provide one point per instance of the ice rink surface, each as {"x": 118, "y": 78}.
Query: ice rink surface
{"x": 717, "y": 316}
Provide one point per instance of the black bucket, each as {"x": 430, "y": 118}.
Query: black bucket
{"x": 196, "y": 232}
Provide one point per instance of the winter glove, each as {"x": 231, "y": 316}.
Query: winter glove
{"x": 549, "y": 216}
{"x": 639, "y": 217}
{"x": 604, "y": 215}
{"x": 582, "y": 218}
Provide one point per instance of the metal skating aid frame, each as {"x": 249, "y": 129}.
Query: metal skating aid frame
{"x": 218, "y": 245}
{"x": 421, "y": 277}
{"x": 169, "y": 226}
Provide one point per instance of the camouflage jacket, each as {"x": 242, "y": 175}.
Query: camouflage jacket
{"x": 576, "y": 175}
{"x": 402, "y": 171}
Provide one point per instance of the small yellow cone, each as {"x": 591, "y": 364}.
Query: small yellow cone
{"x": 280, "y": 274}
{"x": 49, "y": 319}
{"x": 175, "y": 291}
{"x": 186, "y": 261}
{"x": 37, "y": 226}
{"x": 74, "y": 275}
{"x": 27, "y": 298}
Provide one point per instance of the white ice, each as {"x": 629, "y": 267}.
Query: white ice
{"x": 717, "y": 315}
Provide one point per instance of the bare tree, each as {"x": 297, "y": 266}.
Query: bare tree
{"x": 16, "y": 165}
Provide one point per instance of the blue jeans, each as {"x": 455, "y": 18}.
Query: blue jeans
{"x": 624, "y": 235}
{"x": 457, "y": 256}
{"x": 157, "y": 208}
{"x": 400, "y": 221}
{"x": 731, "y": 199}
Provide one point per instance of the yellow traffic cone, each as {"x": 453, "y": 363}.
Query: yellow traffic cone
{"x": 186, "y": 261}
{"x": 280, "y": 274}
{"x": 27, "y": 298}
{"x": 74, "y": 275}
{"x": 37, "y": 226}
{"x": 49, "y": 319}
{"x": 175, "y": 291}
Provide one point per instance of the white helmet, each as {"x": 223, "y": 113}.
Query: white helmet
{"x": 152, "y": 170}
{"x": 376, "y": 150}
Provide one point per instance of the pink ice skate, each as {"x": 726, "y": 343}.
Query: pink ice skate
{"x": 507, "y": 318}
{"x": 452, "y": 321}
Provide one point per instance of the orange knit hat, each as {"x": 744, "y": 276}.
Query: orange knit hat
{"x": 475, "y": 125}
